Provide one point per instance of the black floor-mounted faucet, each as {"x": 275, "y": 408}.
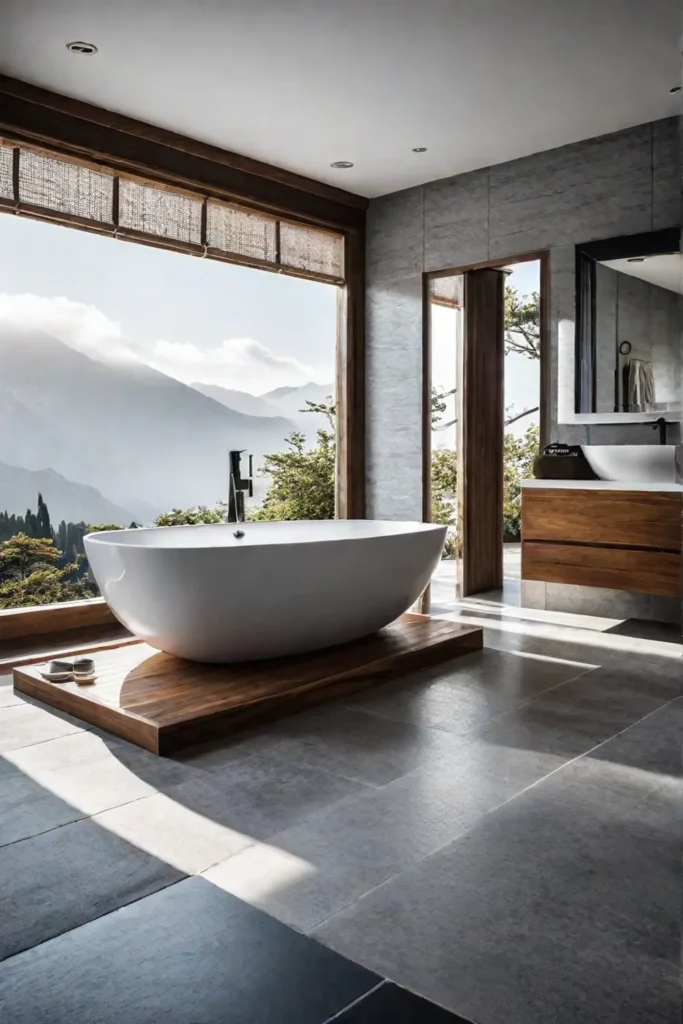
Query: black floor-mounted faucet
{"x": 661, "y": 425}
{"x": 237, "y": 486}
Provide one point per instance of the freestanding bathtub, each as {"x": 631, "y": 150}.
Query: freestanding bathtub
{"x": 242, "y": 591}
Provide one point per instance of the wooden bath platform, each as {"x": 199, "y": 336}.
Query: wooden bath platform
{"x": 163, "y": 703}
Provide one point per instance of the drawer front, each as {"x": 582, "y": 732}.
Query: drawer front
{"x": 634, "y": 518}
{"x": 645, "y": 572}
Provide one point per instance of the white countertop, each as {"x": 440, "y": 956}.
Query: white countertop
{"x": 604, "y": 485}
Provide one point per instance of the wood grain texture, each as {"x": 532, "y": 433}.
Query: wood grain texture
{"x": 28, "y": 650}
{"x": 483, "y": 429}
{"x": 350, "y": 499}
{"x": 638, "y": 571}
{"x": 643, "y": 519}
{"x": 163, "y": 703}
{"x": 52, "y": 618}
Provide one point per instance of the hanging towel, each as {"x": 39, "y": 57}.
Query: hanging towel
{"x": 641, "y": 386}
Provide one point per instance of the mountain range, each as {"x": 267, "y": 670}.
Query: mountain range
{"x": 145, "y": 440}
{"x": 287, "y": 401}
{"x": 75, "y": 503}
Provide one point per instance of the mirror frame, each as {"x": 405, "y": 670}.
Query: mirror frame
{"x": 650, "y": 243}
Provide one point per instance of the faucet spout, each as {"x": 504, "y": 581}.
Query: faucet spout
{"x": 237, "y": 485}
{"x": 661, "y": 425}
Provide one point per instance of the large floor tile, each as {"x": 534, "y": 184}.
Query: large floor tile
{"x": 305, "y": 874}
{"x": 63, "y": 878}
{"x": 651, "y": 746}
{"x": 23, "y": 724}
{"x": 26, "y": 808}
{"x": 574, "y": 717}
{"x": 87, "y": 773}
{"x": 389, "y": 1004}
{"x": 7, "y": 695}
{"x": 210, "y": 817}
{"x": 356, "y": 745}
{"x": 562, "y": 906}
{"x": 188, "y": 955}
{"x": 457, "y": 696}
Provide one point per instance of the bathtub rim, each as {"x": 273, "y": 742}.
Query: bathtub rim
{"x": 116, "y": 538}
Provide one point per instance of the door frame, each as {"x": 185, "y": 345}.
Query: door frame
{"x": 542, "y": 256}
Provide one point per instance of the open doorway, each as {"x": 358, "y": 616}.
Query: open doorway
{"x": 484, "y": 420}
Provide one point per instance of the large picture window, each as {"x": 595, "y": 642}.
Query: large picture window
{"x": 128, "y": 373}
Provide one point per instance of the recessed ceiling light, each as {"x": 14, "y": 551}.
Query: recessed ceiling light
{"x": 342, "y": 165}
{"x": 419, "y": 149}
{"x": 78, "y": 46}
{"x": 636, "y": 259}
{"x": 676, "y": 88}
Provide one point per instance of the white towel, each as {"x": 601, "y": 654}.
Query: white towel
{"x": 641, "y": 386}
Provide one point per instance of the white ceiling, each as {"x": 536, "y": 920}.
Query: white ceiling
{"x": 665, "y": 270}
{"x": 301, "y": 83}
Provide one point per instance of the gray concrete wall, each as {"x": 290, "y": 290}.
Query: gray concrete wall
{"x": 618, "y": 184}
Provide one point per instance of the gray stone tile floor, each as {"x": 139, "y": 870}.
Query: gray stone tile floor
{"x": 500, "y": 835}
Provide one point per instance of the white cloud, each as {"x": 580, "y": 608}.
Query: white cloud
{"x": 241, "y": 363}
{"x": 82, "y": 327}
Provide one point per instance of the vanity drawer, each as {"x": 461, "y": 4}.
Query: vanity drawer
{"x": 645, "y": 572}
{"x": 645, "y": 519}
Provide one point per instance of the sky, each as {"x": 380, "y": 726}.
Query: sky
{"x": 197, "y": 320}
{"x": 201, "y": 320}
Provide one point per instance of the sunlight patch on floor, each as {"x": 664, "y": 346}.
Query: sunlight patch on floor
{"x": 259, "y": 873}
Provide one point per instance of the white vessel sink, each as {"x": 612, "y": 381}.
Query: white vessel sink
{"x": 638, "y": 463}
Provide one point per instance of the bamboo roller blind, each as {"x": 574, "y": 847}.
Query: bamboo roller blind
{"x": 447, "y": 291}
{"x": 130, "y": 207}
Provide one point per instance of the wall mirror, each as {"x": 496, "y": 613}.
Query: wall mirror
{"x": 629, "y": 328}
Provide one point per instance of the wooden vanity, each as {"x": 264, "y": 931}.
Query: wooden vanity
{"x": 600, "y": 534}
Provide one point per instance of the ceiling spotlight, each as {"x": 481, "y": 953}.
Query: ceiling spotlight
{"x": 342, "y": 165}
{"x": 78, "y": 46}
{"x": 419, "y": 149}
{"x": 676, "y": 88}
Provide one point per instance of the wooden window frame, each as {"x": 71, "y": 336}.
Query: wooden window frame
{"x": 57, "y": 126}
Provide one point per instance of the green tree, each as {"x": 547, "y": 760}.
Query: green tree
{"x": 518, "y": 461}
{"x": 522, "y": 323}
{"x": 301, "y": 484}
{"x": 32, "y": 573}
{"x": 45, "y": 585}
{"x": 192, "y": 516}
{"x": 43, "y": 525}
{"x": 21, "y": 555}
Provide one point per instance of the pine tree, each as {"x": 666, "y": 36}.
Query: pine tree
{"x": 43, "y": 519}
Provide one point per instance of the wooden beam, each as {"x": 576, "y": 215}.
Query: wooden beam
{"x": 32, "y": 115}
{"x": 351, "y": 383}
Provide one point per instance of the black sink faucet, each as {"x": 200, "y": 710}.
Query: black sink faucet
{"x": 660, "y": 424}
{"x": 237, "y": 486}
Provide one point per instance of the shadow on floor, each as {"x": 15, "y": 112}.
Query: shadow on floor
{"x": 643, "y": 629}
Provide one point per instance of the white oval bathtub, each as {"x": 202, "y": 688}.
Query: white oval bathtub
{"x": 203, "y": 593}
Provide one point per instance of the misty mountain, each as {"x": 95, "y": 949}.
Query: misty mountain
{"x": 286, "y": 401}
{"x": 289, "y": 401}
{"x": 75, "y": 503}
{"x": 239, "y": 401}
{"x": 122, "y": 427}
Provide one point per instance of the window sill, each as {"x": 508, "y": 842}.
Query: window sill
{"x": 53, "y": 618}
